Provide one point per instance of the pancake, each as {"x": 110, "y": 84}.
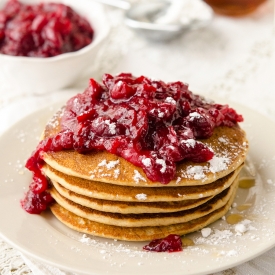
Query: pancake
{"x": 105, "y": 191}
{"x": 128, "y": 207}
{"x": 146, "y": 233}
{"x": 228, "y": 143}
{"x": 146, "y": 219}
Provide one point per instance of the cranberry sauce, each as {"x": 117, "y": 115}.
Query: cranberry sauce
{"x": 43, "y": 30}
{"x": 36, "y": 203}
{"x": 171, "y": 243}
{"x": 149, "y": 123}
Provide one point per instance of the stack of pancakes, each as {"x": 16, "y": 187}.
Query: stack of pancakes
{"x": 101, "y": 194}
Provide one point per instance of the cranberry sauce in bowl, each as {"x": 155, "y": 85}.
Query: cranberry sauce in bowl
{"x": 48, "y": 45}
{"x": 42, "y": 30}
{"x": 152, "y": 124}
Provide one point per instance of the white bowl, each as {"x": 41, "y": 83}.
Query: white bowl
{"x": 40, "y": 75}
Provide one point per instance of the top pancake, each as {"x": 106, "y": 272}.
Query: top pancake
{"x": 228, "y": 143}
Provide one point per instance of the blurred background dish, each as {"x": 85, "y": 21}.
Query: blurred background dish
{"x": 234, "y": 7}
{"x": 163, "y": 20}
{"x": 39, "y": 75}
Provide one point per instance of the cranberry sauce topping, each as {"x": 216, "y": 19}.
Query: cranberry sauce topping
{"x": 37, "y": 198}
{"x": 36, "y": 203}
{"x": 149, "y": 123}
{"x": 43, "y": 30}
{"x": 171, "y": 243}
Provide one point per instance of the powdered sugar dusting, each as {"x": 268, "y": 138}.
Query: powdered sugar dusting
{"x": 170, "y": 100}
{"x": 112, "y": 126}
{"x": 163, "y": 165}
{"x": 116, "y": 173}
{"x": 109, "y": 165}
{"x": 206, "y": 232}
{"x": 199, "y": 172}
{"x": 218, "y": 164}
{"x": 240, "y": 228}
{"x": 189, "y": 142}
{"x": 141, "y": 197}
{"x": 217, "y": 237}
{"x": 103, "y": 166}
{"x": 196, "y": 172}
{"x": 137, "y": 177}
{"x": 147, "y": 162}
{"x": 194, "y": 115}
{"x": 222, "y": 139}
{"x": 54, "y": 121}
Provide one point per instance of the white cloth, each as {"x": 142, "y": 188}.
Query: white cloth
{"x": 262, "y": 265}
{"x": 232, "y": 58}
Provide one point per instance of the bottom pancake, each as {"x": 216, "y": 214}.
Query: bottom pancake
{"x": 147, "y": 233}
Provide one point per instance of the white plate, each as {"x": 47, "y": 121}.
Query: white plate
{"x": 44, "y": 238}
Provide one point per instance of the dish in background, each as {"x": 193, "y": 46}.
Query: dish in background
{"x": 163, "y": 20}
{"x": 234, "y": 7}
{"x": 45, "y": 239}
{"x": 40, "y": 75}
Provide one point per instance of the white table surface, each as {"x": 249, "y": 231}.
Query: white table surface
{"x": 232, "y": 58}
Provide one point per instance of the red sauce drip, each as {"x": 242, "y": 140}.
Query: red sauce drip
{"x": 36, "y": 203}
{"x": 43, "y": 30}
{"x": 151, "y": 124}
{"x": 171, "y": 243}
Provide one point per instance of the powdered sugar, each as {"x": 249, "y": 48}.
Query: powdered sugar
{"x": 141, "y": 197}
{"x": 112, "y": 126}
{"x": 229, "y": 253}
{"x": 196, "y": 172}
{"x": 199, "y": 172}
{"x": 163, "y": 164}
{"x": 240, "y": 228}
{"x": 160, "y": 114}
{"x": 54, "y": 122}
{"x": 116, "y": 173}
{"x": 147, "y": 162}
{"x": 109, "y": 165}
{"x": 194, "y": 115}
{"x": 206, "y": 232}
{"x": 106, "y": 165}
{"x": 222, "y": 140}
{"x": 218, "y": 164}
{"x": 137, "y": 177}
{"x": 170, "y": 100}
{"x": 189, "y": 142}
{"x": 219, "y": 236}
